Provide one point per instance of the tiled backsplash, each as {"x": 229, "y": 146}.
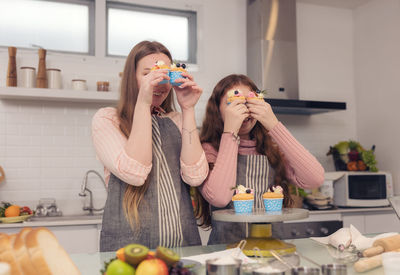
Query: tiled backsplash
{"x": 45, "y": 150}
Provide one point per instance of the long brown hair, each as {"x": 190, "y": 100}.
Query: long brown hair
{"x": 212, "y": 129}
{"x": 125, "y": 110}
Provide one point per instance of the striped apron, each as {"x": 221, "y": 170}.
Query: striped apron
{"x": 165, "y": 211}
{"x": 255, "y": 172}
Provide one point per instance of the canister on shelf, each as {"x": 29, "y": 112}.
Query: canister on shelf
{"x": 103, "y": 86}
{"x": 79, "y": 84}
{"x": 28, "y": 77}
{"x": 54, "y": 78}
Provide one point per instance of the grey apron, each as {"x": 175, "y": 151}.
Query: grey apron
{"x": 165, "y": 211}
{"x": 255, "y": 172}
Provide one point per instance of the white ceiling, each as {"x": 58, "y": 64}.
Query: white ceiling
{"x": 346, "y": 4}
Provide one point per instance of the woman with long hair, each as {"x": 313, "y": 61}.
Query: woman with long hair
{"x": 151, "y": 155}
{"x": 245, "y": 144}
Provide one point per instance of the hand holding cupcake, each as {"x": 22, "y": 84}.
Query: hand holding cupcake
{"x": 174, "y": 71}
{"x": 243, "y": 200}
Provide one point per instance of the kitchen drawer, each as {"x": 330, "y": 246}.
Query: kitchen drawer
{"x": 388, "y": 222}
{"x": 74, "y": 239}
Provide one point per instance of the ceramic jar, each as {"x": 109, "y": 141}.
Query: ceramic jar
{"x": 28, "y": 77}
{"x": 54, "y": 78}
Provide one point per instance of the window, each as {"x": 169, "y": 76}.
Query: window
{"x": 65, "y": 26}
{"x": 129, "y": 24}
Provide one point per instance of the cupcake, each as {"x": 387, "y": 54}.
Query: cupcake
{"x": 158, "y": 66}
{"x": 243, "y": 199}
{"x": 176, "y": 72}
{"x": 273, "y": 199}
{"x": 253, "y": 95}
{"x": 234, "y": 95}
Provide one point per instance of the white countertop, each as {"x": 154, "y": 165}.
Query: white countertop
{"x": 97, "y": 219}
{"x": 92, "y": 263}
{"x": 56, "y": 221}
{"x": 353, "y": 210}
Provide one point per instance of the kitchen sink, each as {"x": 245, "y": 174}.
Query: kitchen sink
{"x": 66, "y": 218}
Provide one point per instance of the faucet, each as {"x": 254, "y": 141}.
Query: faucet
{"x": 84, "y": 189}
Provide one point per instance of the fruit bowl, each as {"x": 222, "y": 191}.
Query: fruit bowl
{"x": 14, "y": 219}
{"x": 351, "y": 156}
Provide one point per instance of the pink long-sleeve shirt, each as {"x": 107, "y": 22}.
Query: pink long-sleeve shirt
{"x": 302, "y": 167}
{"x": 109, "y": 143}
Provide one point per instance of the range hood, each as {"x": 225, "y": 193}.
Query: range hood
{"x": 272, "y": 57}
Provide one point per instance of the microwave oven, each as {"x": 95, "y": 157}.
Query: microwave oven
{"x": 361, "y": 189}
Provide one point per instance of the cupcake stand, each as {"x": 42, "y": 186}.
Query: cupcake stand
{"x": 260, "y": 232}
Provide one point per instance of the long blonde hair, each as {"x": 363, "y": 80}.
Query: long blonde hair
{"x": 125, "y": 110}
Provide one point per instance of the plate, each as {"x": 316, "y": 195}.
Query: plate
{"x": 14, "y": 219}
{"x": 190, "y": 264}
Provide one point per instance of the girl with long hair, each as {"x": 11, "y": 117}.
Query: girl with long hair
{"x": 151, "y": 156}
{"x": 245, "y": 144}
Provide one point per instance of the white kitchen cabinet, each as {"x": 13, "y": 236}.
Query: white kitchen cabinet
{"x": 74, "y": 238}
{"x": 381, "y": 222}
{"x": 356, "y": 220}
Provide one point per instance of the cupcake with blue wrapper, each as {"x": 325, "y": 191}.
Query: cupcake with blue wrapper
{"x": 159, "y": 66}
{"x": 273, "y": 199}
{"x": 243, "y": 200}
{"x": 175, "y": 73}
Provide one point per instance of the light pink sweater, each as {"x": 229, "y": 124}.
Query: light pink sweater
{"x": 109, "y": 143}
{"x": 302, "y": 168}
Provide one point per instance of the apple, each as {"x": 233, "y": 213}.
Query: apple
{"x": 152, "y": 267}
{"x": 118, "y": 267}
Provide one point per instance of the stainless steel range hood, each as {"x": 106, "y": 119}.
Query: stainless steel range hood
{"x": 272, "y": 56}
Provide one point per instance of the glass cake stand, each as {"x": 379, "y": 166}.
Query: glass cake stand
{"x": 261, "y": 230}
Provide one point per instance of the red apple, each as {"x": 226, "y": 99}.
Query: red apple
{"x": 152, "y": 267}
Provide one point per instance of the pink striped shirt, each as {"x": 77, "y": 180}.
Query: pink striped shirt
{"x": 109, "y": 143}
{"x": 302, "y": 167}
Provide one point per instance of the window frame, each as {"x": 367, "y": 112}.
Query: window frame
{"x": 91, "y": 4}
{"x": 189, "y": 14}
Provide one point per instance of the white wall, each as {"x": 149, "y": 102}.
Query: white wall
{"x": 45, "y": 147}
{"x": 325, "y": 57}
{"x": 377, "y": 71}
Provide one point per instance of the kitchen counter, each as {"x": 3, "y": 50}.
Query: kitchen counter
{"x": 352, "y": 210}
{"x": 56, "y": 221}
{"x": 92, "y": 263}
{"x": 97, "y": 219}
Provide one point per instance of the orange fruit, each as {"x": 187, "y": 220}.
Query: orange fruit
{"x": 12, "y": 211}
{"x": 121, "y": 254}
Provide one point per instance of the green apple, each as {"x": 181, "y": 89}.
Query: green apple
{"x": 152, "y": 267}
{"x": 118, "y": 267}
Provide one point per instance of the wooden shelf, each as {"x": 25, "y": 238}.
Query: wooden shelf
{"x": 57, "y": 95}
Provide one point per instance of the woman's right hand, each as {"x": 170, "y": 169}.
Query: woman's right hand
{"x": 235, "y": 113}
{"x": 147, "y": 84}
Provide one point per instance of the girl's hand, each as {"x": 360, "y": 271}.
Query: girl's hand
{"x": 147, "y": 84}
{"x": 234, "y": 115}
{"x": 188, "y": 93}
{"x": 262, "y": 111}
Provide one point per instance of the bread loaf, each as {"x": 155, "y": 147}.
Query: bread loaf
{"x": 22, "y": 254}
{"x": 7, "y": 254}
{"x": 47, "y": 255}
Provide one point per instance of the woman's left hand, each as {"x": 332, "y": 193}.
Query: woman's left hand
{"x": 188, "y": 93}
{"x": 262, "y": 111}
